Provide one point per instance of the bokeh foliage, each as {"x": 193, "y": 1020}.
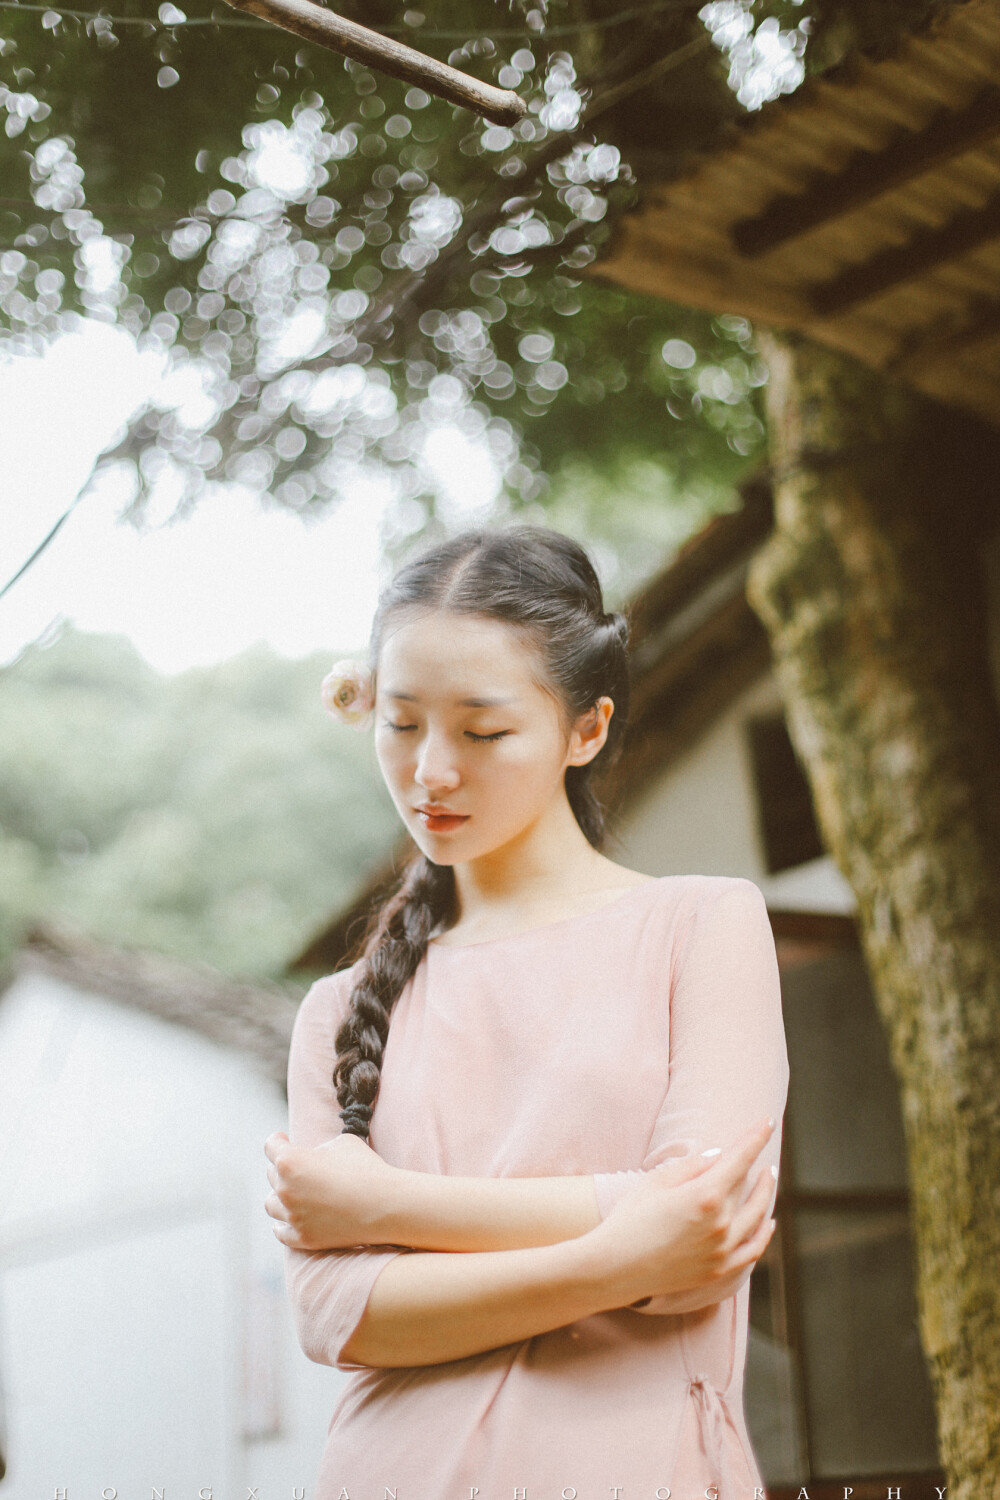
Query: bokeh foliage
{"x": 343, "y": 263}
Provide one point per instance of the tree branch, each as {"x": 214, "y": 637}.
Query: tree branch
{"x": 316, "y": 24}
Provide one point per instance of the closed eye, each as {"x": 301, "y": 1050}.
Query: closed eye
{"x": 480, "y": 739}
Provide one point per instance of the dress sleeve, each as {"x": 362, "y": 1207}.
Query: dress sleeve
{"x": 328, "y": 1289}
{"x": 728, "y": 1057}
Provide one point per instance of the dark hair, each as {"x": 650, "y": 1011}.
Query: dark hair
{"x": 543, "y": 584}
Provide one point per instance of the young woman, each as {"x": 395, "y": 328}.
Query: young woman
{"x": 547, "y": 1097}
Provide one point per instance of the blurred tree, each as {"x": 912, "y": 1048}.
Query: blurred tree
{"x": 215, "y": 814}
{"x": 872, "y": 592}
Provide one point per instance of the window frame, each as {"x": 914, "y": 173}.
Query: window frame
{"x": 802, "y": 937}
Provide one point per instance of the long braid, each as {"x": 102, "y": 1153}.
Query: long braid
{"x": 393, "y": 948}
{"x": 543, "y": 584}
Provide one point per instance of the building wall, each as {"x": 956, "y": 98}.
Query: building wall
{"x": 145, "y": 1334}
{"x": 701, "y": 817}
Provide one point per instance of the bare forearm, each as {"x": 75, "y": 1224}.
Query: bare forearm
{"x": 434, "y": 1212}
{"x": 429, "y": 1308}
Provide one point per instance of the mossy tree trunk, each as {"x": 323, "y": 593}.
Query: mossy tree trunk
{"x": 872, "y": 593}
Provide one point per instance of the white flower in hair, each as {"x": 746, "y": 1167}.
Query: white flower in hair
{"x": 348, "y": 693}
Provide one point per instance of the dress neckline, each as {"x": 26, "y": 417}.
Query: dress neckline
{"x": 582, "y": 916}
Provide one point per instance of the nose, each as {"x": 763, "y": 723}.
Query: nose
{"x": 435, "y": 770}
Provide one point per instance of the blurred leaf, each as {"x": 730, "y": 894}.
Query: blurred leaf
{"x": 217, "y": 814}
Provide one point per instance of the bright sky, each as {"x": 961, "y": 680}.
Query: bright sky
{"x": 190, "y": 592}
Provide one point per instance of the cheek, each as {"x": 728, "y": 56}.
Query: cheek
{"x": 392, "y": 756}
{"x": 525, "y": 771}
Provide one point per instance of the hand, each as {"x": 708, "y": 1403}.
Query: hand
{"x": 329, "y": 1196}
{"x": 690, "y": 1222}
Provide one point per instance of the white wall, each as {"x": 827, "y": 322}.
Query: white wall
{"x": 137, "y": 1260}
{"x": 700, "y": 817}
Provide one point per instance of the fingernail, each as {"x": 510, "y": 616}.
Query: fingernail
{"x": 712, "y": 1151}
{"x": 774, "y": 1173}
{"x": 771, "y": 1123}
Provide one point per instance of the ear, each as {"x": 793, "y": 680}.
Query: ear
{"x": 589, "y": 733}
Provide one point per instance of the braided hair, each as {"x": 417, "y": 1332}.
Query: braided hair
{"x": 544, "y": 585}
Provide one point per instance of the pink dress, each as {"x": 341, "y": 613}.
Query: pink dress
{"x": 602, "y": 1043}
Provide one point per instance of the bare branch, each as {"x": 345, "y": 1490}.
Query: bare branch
{"x": 317, "y": 24}
{"x": 49, "y": 536}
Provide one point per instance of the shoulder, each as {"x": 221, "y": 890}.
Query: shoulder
{"x": 708, "y": 900}
{"x": 683, "y": 912}
{"x": 726, "y": 929}
{"x": 691, "y": 893}
{"x": 326, "y": 1003}
{"x": 702, "y": 888}
{"x": 683, "y": 901}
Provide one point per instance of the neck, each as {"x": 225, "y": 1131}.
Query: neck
{"x": 550, "y": 857}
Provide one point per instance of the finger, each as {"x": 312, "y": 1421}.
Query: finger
{"x": 751, "y": 1250}
{"x": 762, "y": 1239}
{"x": 276, "y": 1208}
{"x": 291, "y": 1237}
{"x": 274, "y": 1143}
{"x": 747, "y": 1220}
{"x": 736, "y": 1161}
{"x": 272, "y": 1175}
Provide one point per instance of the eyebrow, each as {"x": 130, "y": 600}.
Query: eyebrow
{"x": 462, "y": 702}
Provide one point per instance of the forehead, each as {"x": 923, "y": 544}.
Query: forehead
{"x": 465, "y": 657}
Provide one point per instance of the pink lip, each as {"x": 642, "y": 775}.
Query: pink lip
{"x": 441, "y": 821}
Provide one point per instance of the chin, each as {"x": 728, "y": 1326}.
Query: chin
{"x": 444, "y": 850}
{"x": 437, "y": 850}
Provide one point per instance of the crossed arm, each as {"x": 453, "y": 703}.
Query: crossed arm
{"x": 511, "y": 1257}
{"x": 455, "y": 1266}
{"x": 427, "y": 1307}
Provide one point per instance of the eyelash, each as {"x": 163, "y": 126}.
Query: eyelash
{"x": 480, "y": 739}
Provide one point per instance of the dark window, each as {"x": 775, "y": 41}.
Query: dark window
{"x": 784, "y": 802}
{"x": 836, "y": 1385}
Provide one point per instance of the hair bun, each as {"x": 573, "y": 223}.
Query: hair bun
{"x": 617, "y": 622}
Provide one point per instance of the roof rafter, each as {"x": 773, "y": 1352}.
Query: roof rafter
{"x": 863, "y": 211}
{"x": 926, "y": 249}
{"x": 951, "y": 133}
